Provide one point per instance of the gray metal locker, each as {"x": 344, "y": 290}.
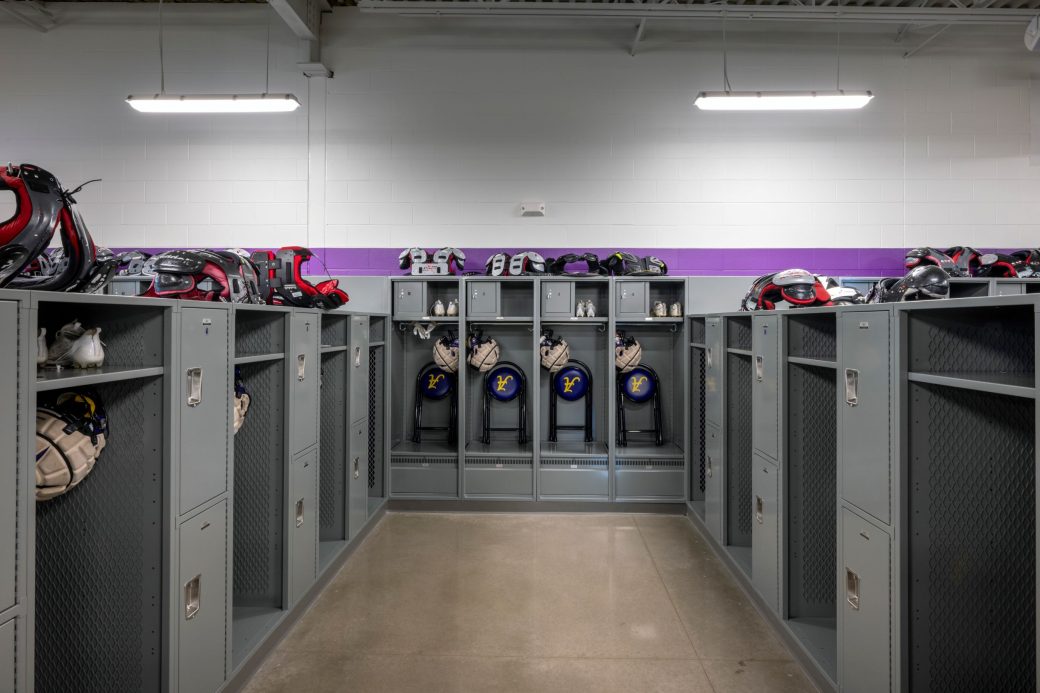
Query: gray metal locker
{"x": 304, "y": 367}
{"x": 713, "y": 367}
{"x": 7, "y": 652}
{"x": 359, "y": 368}
{"x": 483, "y": 299}
{"x": 9, "y": 500}
{"x": 765, "y": 537}
{"x": 765, "y": 402}
{"x": 204, "y": 403}
{"x": 557, "y": 299}
{"x": 865, "y": 435}
{"x": 357, "y": 477}
{"x": 303, "y": 518}
{"x": 714, "y": 484}
{"x": 202, "y": 616}
{"x": 865, "y": 597}
{"x": 410, "y": 299}
{"x": 632, "y": 299}
{"x": 1008, "y": 288}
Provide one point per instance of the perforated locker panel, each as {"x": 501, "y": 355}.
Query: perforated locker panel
{"x": 333, "y": 459}
{"x": 357, "y": 477}
{"x": 632, "y": 299}
{"x": 714, "y": 483}
{"x": 714, "y": 361}
{"x": 557, "y": 299}
{"x": 765, "y": 402}
{"x": 765, "y": 562}
{"x": 864, "y": 659}
{"x": 865, "y": 417}
{"x": 358, "y": 368}
{"x": 8, "y": 682}
{"x": 304, "y": 373}
{"x": 202, "y": 591}
{"x": 9, "y": 457}
{"x": 204, "y": 402}
{"x": 303, "y": 519}
{"x": 410, "y": 299}
{"x": 738, "y": 449}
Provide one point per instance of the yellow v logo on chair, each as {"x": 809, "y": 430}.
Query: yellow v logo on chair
{"x": 637, "y": 383}
{"x": 434, "y": 380}
{"x": 569, "y": 383}
{"x": 502, "y": 382}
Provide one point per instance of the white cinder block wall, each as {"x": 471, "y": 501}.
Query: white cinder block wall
{"x": 435, "y": 130}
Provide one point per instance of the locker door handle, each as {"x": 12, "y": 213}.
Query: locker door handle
{"x": 707, "y": 358}
{"x": 194, "y": 387}
{"x": 192, "y": 597}
{"x": 301, "y": 367}
{"x": 299, "y": 513}
{"x": 851, "y": 387}
{"x": 357, "y": 357}
{"x": 357, "y": 467}
{"x": 852, "y": 589}
{"x": 759, "y": 510}
{"x": 760, "y": 368}
{"x": 707, "y": 468}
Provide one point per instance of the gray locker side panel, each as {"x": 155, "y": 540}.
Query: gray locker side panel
{"x": 204, "y": 427}
{"x": 203, "y": 561}
{"x": 7, "y": 669}
{"x": 864, "y": 659}
{"x": 714, "y": 485}
{"x": 9, "y": 456}
{"x": 357, "y": 477}
{"x": 714, "y": 361}
{"x": 865, "y": 429}
{"x": 303, "y": 507}
{"x": 765, "y": 538}
{"x": 304, "y": 369}
{"x": 359, "y": 368}
{"x": 557, "y": 299}
{"x": 633, "y": 299}
{"x": 765, "y": 403}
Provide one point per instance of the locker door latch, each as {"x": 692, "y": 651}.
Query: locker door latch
{"x": 707, "y": 358}
{"x": 759, "y": 510}
{"x": 760, "y": 368}
{"x": 357, "y": 467}
{"x": 194, "y": 387}
{"x": 192, "y": 597}
{"x": 299, "y": 513}
{"x": 707, "y": 466}
{"x": 301, "y": 367}
{"x": 851, "y": 387}
{"x": 357, "y": 357}
{"x": 852, "y": 589}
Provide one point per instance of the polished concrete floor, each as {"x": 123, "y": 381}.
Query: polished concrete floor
{"x": 531, "y": 602}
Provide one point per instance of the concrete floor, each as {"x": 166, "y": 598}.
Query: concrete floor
{"x": 531, "y": 602}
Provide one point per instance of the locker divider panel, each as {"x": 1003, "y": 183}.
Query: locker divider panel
{"x": 738, "y": 457}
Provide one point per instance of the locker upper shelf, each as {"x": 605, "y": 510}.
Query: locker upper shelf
{"x": 85, "y": 377}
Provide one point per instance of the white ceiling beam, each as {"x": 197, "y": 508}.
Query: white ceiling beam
{"x": 303, "y": 17}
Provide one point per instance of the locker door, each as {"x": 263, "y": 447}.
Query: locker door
{"x": 358, "y": 368}
{"x": 357, "y": 476}
{"x": 865, "y": 455}
{"x": 202, "y": 615}
{"x": 484, "y": 299}
{"x": 633, "y": 299}
{"x": 765, "y": 538}
{"x": 865, "y": 603}
{"x": 304, "y": 367}
{"x": 765, "y": 398}
{"x": 204, "y": 403}
{"x": 410, "y": 299}
{"x": 8, "y": 457}
{"x": 714, "y": 484}
{"x": 557, "y": 299}
{"x": 304, "y": 508}
{"x": 713, "y": 368}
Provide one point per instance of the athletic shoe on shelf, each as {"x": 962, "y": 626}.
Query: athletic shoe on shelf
{"x": 579, "y": 309}
{"x": 659, "y": 310}
{"x": 60, "y": 351}
{"x": 675, "y": 310}
{"x": 438, "y": 309}
{"x": 88, "y": 351}
{"x": 590, "y": 309}
{"x": 453, "y": 308}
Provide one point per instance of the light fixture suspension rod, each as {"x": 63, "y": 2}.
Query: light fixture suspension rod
{"x": 837, "y": 56}
{"x": 162, "y": 66}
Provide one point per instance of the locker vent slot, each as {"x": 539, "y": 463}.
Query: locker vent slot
{"x": 99, "y": 566}
{"x": 423, "y": 461}
{"x": 813, "y": 336}
{"x": 979, "y": 340}
{"x": 599, "y": 463}
{"x": 649, "y": 463}
{"x": 376, "y": 418}
{"x": 738, "y": 447}
{"x": 259, "y": 333}
{"x": 496, "y": 462}
{"x": 698, "y": 434}
{"x": 812, "y": 489}
{"x": 332, "y": 485}
{"x": 259, "y": 489}
{"x": 973, "y": 544}
{"x": 697, "y": 331}
{"x": 738, "y": 332}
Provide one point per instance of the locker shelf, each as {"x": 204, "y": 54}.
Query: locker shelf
{"x": 333, "y": 349}
{"x": 249, "y": 626}
{"x": 1012, "y": 384}
{"x": 699, "y": 345}
{"x": 574, "y": 448}
{"x": 84, "y": 377}
{"x": 258, "y": 358}
{"x": 819, "y": 363}
{"x": 642, "y": 449}
{"x": 431, "y": 448}
{"x": 575, "y": 321}
{"x": 649, "y": 321}
{"x": 428, "y": 318}
{"x": 500, "y": 320}
{"x": 376, "y": 344}
{"x": 738, "y": 352}
{"x": 819, "y": 637}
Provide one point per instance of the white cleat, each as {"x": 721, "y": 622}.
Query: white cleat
{"x": 438, "y": 309}
{"x": 88, "y": 351}
{"x": 453, "y": 308}
{"x": 675, "y": 310}
{"x": 41, "y": 347}
{"x": 60, "y": 351}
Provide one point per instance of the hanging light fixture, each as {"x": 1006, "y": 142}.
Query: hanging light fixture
{"x": 729, "y": 100}
{"x": 211, "y": 103}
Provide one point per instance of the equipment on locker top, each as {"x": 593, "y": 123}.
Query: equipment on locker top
{"x": 796, "y": 286}
{"x": 452, "y": 258}
{"x": 282, "y": 282}
{"x": 484, "y": 352}
{"x": 966, "y": 259}
{"x": 918, "y": 257}
{"x": 840, "y": 295}
{"x": 183, "y": 273}
{"x": 571, "y": 383}
{"x": 623, "y": 264}
{"x": 527, "y": 262}
{"x": 446, "y": 352}
{"x": 638, "y": 386}
{"x": 131, "y": 263}
{"x": 435, "y": 383}
{"x": 444, "y": 262}
{"x": 497, "y": 265}
{"x": 921, "y": 283}
{"x": 504, "y": 383}
{"x": 554, "y": 351}
{"x": 38, "y": 207}
{"x": 1023, "y": 263}
{"x": 627, "y": 352}
{"x": 593, "y": 267}
{"x": 71, "y": 432}
{"x": 240, "y": 400}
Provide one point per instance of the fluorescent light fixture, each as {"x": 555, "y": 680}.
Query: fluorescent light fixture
{"x": 213, "y": 103}
{"x": 781, "y": 100}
